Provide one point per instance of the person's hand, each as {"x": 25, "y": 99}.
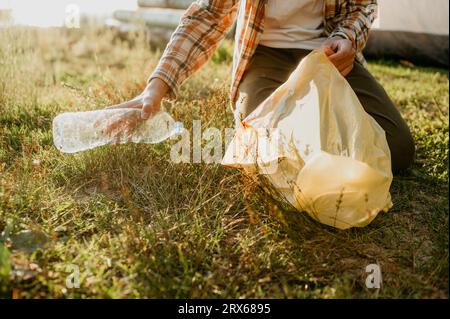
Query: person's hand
{"x": 149, "y": 101}
{"x": 341, "y": 53}
{"x": 121, "y": 126}
{"x": 146, "y": 104}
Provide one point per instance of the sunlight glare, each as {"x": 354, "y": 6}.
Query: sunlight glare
{"x": 47, "y": 13}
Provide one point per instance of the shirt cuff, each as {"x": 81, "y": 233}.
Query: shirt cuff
{"x": 164, "y": 76}
{"x": 343, "y": 33}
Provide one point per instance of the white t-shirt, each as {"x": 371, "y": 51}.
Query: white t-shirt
{"x": 293, "y": 24}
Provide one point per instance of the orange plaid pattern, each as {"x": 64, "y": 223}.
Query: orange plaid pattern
{"x": 206, "y": 22}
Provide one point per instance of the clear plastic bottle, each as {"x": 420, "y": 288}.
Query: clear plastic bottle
{"x": 79, "y": 131}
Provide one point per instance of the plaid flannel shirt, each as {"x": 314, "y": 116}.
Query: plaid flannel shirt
{"x": 206, "y": 22}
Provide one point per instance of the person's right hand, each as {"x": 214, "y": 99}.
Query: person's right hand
{"x": 149, "y": 101}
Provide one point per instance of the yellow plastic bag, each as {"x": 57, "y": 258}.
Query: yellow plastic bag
{"x": 317, "y": 148}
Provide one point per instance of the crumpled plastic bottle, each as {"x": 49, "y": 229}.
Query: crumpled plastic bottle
{"x": 79, "y": 131}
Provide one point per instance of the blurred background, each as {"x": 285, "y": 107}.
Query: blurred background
{"x": 413, "y": 30}
{"x": 52, "y": 13}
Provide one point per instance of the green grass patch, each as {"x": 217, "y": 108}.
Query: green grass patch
{"x": 138, "y": 226}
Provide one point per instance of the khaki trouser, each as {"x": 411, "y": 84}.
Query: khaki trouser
{"x": 271, "y": 67}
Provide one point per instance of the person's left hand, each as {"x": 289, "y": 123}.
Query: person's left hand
{"x": 341, "y": 53}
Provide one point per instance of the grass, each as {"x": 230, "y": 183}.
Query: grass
{"x": 138, "y": 226}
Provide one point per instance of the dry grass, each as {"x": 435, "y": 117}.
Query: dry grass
{"x": 139, "y": 226}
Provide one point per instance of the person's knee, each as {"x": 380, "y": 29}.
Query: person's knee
{"x": 402, "y": 151}
{"x": 246, "y": 103}
{"x": 252, "y": 94}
